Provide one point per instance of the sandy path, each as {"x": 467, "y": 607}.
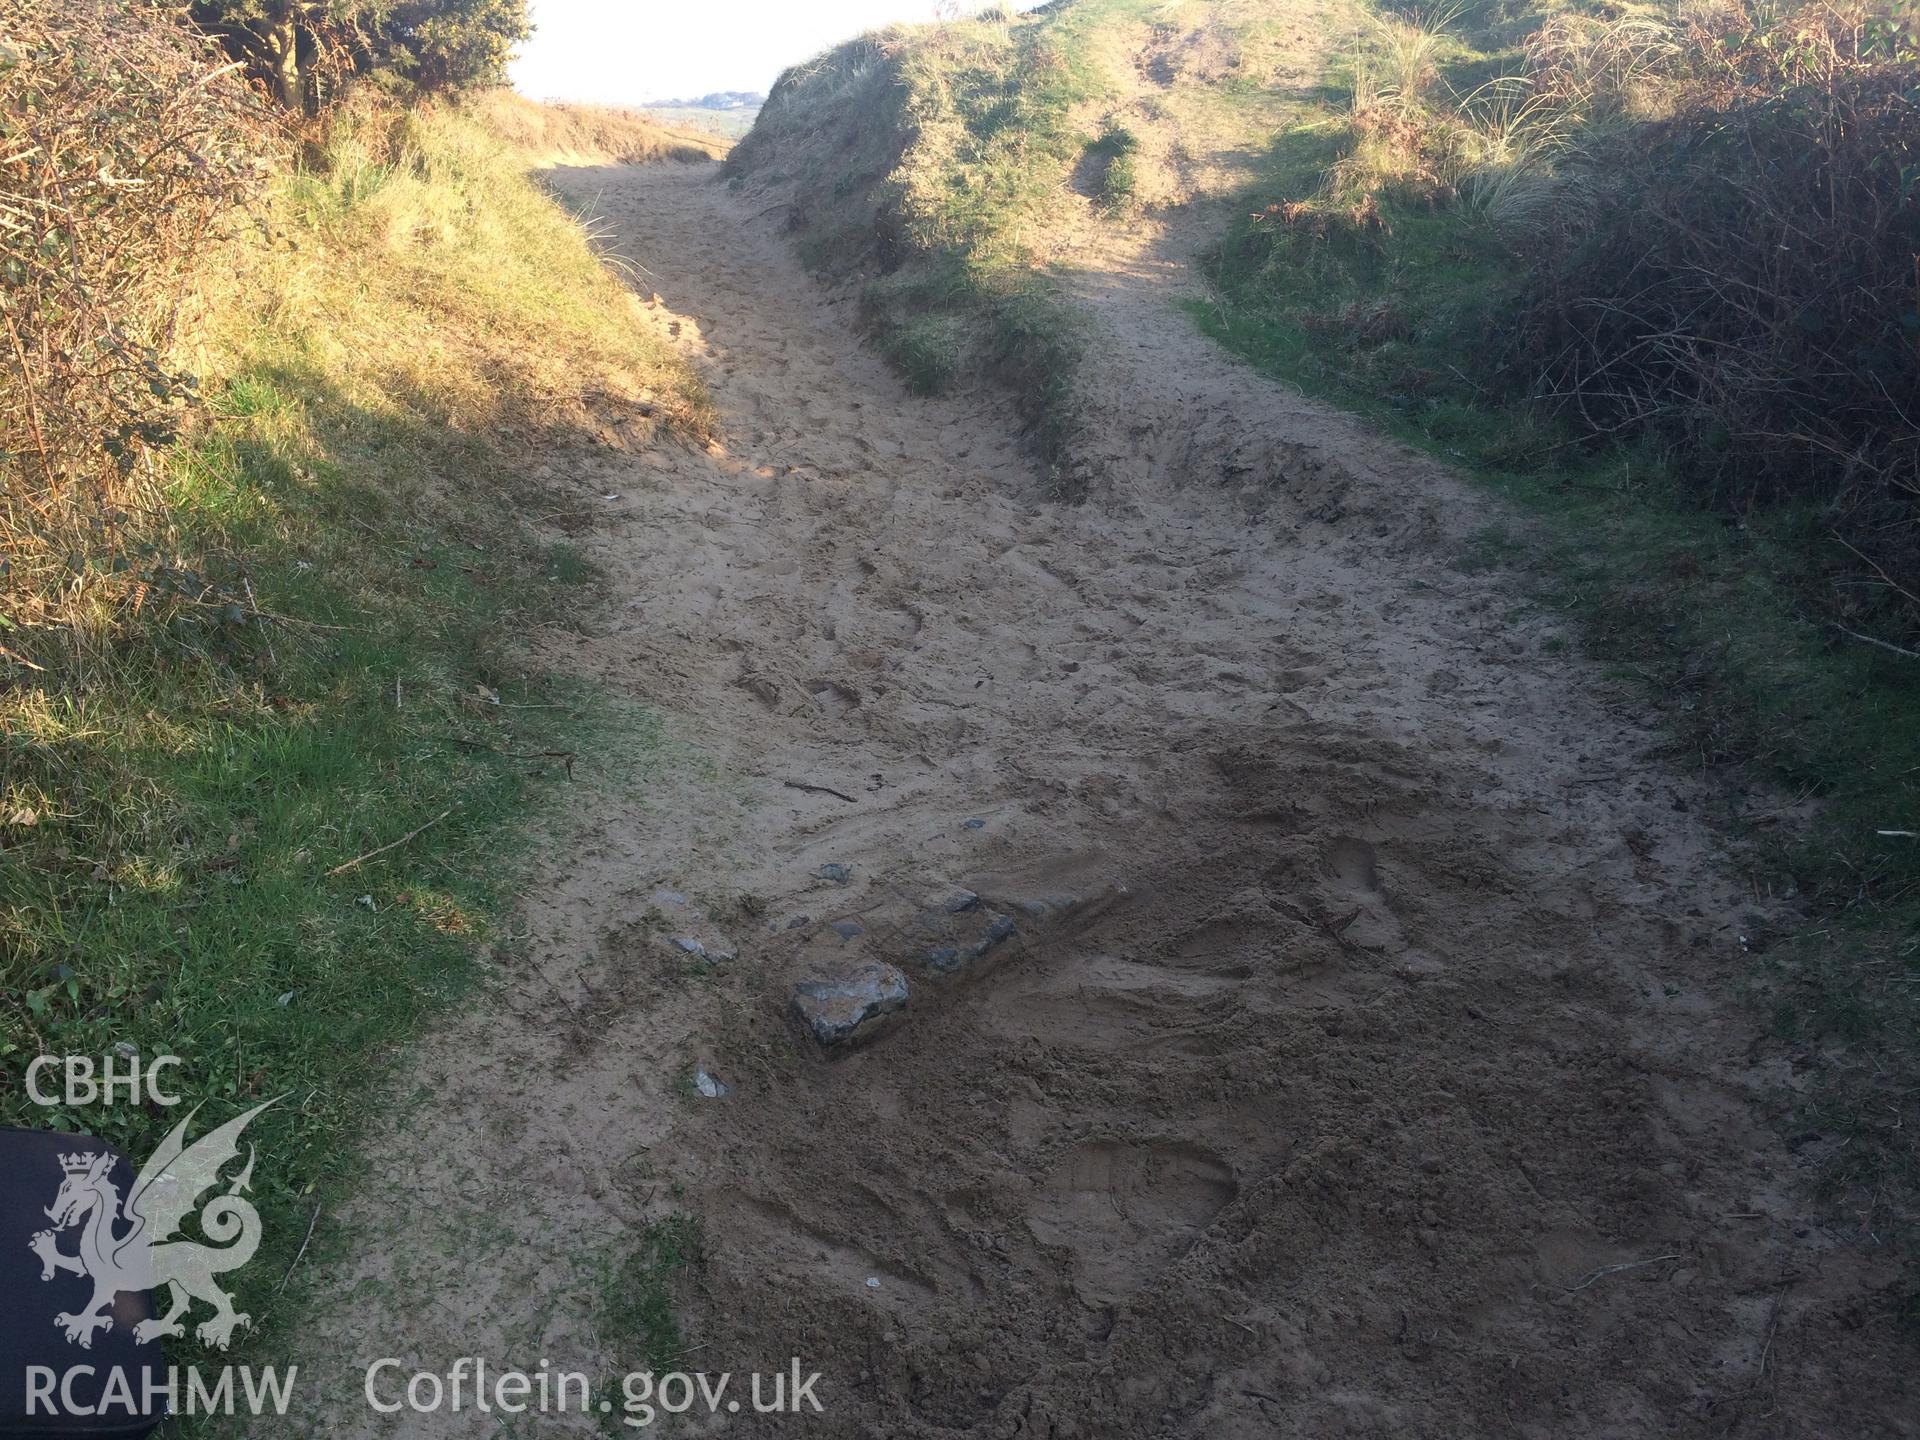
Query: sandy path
{"x": 1372, "y": 985}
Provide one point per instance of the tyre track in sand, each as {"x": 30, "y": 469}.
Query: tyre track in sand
{"x": 1372, "y": 990}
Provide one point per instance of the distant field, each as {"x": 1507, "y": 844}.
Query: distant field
{"x": 730, "y": 123}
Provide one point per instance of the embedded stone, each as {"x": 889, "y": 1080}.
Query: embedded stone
{"x": 845, "y": 1009}
{"x": 961, "y": 935}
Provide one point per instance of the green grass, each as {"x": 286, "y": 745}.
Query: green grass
{"x": 1116, "y": 155}
{"x": 185, "y": 804}
{"x": 637, "y": 1322}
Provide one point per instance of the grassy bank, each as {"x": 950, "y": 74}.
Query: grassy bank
{"x": 1723, "y": 622}
{"x": 1386, "y": 260}
{"x": 914, "y": 159}
{"x": 265, "y": 815}
{"x": 937, "y": 167}
{"x": 923, "y": 162}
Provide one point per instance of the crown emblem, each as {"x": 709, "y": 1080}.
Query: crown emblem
{"x": 77, "y": 1163}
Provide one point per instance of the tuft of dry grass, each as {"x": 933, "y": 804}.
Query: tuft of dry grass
{"x": 1406, "y": 54}
{"x": 1598, "y": 68}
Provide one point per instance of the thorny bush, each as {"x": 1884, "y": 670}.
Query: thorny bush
{"x": 125, "y": 144}
{"x": 1738, "y": 282}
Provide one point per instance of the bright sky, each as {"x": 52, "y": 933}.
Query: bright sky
{"x": 630, "y": 51}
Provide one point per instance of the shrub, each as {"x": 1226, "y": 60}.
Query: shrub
{"x": 1115, "y": 153}
{"x": 1711, "y": 222}
{"x": 300, "y": 50}
{"x": 126, "y": 145}
{"x": 1741, "y": 287}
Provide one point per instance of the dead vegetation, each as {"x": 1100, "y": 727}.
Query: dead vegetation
{"x": 128, "y": 146}
{"x": 1737, "y": 283}
{"x": 1714, "y": 221}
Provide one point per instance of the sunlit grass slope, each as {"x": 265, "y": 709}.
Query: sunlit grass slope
{"x": 408, "y": 330}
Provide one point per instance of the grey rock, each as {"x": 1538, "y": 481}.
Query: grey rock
{"x": 848, "y": 928}
{"x": 966, "y": 936}
{"x": 690, "y": 945}
{"x": 842, "y": 1010}
{"x": 710, "y": 1085}
{"x": 974, "y": 824}
{"x": 961, "y": 900}
{"x": 839, "y": 874}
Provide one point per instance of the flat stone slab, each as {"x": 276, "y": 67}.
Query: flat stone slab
{"x": 953, "y": 932}
{"x": 845, "y": 1009}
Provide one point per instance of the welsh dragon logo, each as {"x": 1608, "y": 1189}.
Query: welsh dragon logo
{"x": 134, "y": 1246}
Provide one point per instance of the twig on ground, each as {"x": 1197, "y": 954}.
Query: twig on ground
{"x": 305, "y": 1241}
{"x": 565, "y": 757}
{"x": 295, "y": 620}
{"x": 820, "y": 790}
{"x": 1773, "y": 1327}
{"x": 390, "y": 845}
{"x": 17, "y": 658}
{"x": 1883, "y": 644}
{"x": 1874, "y": 566}
{"x": 1606, "y": 1270}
